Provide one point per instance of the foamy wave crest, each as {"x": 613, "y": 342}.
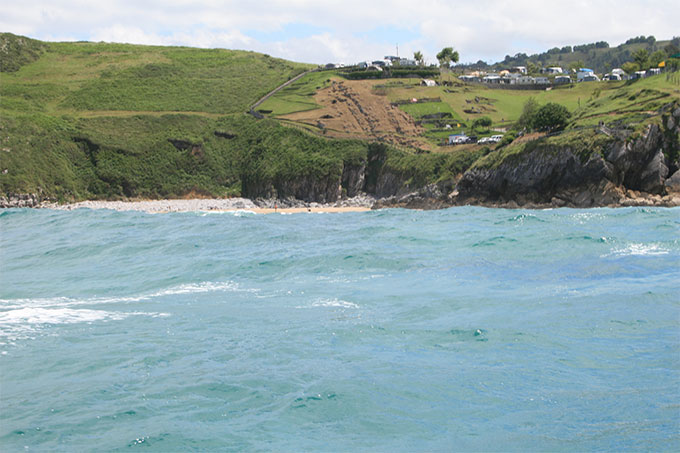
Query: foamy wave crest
{"x": 21, "y": 323}
{"x": 639, "y": 250}
{"x": 191, "y": 288}
{"x": 236, "y": 213}
{"x": 335, "y": 303}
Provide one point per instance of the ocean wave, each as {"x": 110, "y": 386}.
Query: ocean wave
{"x": 333, "y": 303}
{"x": 23, "y": 322}
{"x": 235, "y": 213}
{"x": 521, "y": 218}
{"x": 189, "y": 288}
{"x": 638, "y": 249}
{"x": 496, "y": 240}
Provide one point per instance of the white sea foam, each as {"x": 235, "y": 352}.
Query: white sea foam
{"x": 236, "y": 213}
{"x": 190, "y": 288}
{"x": 338, "y": 303}
{"x": 23, "y": 322}
{"x": 638, "y": 249}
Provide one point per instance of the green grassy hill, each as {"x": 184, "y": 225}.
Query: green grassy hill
{"x": 96, "y": 120}
{"x": 72, "y": 78}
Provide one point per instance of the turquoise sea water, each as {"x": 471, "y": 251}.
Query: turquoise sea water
{"x": 455, "y": 330}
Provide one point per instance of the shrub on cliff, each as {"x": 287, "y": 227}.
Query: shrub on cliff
{"x": 550, "y": 117}
{"x": 528, "y": 111}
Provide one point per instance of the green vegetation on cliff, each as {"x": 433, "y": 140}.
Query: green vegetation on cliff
{"x": 97, "y": 120}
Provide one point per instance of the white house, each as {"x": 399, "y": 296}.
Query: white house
{"x": 554, "y": 70}
{"x": 562, "y": 79}
{"x": 510, "y": 79}
{"x": 519, "y": 69}
{"x": 619, "y": 72}
{"x": 542, "y": 81}
{"x": 469, "y": 78}
{"x": 407, "y": 62}
{"x": 492, "y": 78}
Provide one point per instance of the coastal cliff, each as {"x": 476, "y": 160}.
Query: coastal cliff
{"x": 601, "y": 168}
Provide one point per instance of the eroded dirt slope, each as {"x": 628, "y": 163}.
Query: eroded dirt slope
{"x": 351, "y": 109}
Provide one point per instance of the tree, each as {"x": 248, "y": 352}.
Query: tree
{"x": 447, "y": 56}
{"x": 528, "y": 111}
{"x": 551, "y": 117}
{"x": 629, "y": 67}
{"x": 418, "y": 56}
{"x": 532, "y": 68}
{"x": 671, "y": 49}
{"x": 576, "y": 65}
{"x": 641, "y": 58}
{"x": 483, "y": 122}
{"x": 656, "y": 58}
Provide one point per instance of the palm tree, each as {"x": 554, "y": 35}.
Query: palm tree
{"x": 418, "y": 56}
{"x": 445, "y": 57}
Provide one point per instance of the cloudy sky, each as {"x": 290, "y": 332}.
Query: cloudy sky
{"x": 321, "y": 31}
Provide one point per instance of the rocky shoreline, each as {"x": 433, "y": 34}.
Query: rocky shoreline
{"x": 426, "y": 199}
{"x": 641, "y": 169}
{"x": 191, "y": 205}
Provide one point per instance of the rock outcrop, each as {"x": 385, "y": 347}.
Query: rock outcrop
{"x": 20, "y": 200}
{"x": 631, "y": 171}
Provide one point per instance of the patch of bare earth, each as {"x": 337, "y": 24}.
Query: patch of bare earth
{"x": 352, "y": 110}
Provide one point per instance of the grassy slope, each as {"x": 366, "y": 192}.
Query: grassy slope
{"x": 298, "y": 96}
{"x": 75, "y": 77}
{"x": 588, "y": 102}
{"x": 85, "y": 120}
{"x": 94, "y": 120}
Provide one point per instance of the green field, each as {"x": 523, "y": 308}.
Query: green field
{"x": 298, "y": 96}
{"x": 505, "y": 106}
{"x": 589, "y": 103}
{"x": 74, "y": 77}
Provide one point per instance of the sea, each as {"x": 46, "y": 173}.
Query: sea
{"x": 465, "y": 329}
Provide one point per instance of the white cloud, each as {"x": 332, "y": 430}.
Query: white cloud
{"x": 345, "y": 30}
{"x": 200, "y": 38}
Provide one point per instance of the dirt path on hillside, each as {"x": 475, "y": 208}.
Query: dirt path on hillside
{"x": 352, "y": 110}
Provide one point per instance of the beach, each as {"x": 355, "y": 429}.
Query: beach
{"x": 260, "y": 206}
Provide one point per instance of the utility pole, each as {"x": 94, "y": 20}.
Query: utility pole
{"x": 397, "y": 50}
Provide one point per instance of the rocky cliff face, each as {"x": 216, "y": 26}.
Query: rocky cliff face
{"x": 22, "y": 200}
{"x": 641, "y": 169}
{"x": 306, "y": 188}
{"x": 630, "y": 171}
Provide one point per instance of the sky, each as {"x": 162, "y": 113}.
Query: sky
{"x": 347, "y": 31}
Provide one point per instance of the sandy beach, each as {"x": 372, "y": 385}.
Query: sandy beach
{"x": 358, "y": 204}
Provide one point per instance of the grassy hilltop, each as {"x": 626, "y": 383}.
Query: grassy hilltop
{"x": 97, "y": 120}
